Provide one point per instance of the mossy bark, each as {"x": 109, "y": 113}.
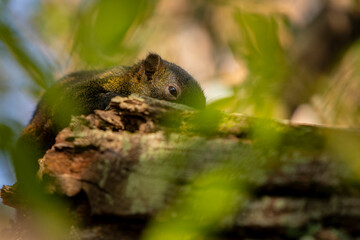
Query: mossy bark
{"x": 126, "y": 164}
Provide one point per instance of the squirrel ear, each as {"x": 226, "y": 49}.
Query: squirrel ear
{"x": 151, "y": 65}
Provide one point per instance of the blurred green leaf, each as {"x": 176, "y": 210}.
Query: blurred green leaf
{"x": 199, "y": 211}
{"x": 206, "y": 121}
{"x": 260, "y": 47}
{"x": 222, "y": 104}
{"x": 345, "y": 146}
{"x": 18, "y": 46}
{"x": 103, "y": 26}
{"x": 6, "y": 137}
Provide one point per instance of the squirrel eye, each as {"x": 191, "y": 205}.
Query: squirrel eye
{"x": 173, "y": 91}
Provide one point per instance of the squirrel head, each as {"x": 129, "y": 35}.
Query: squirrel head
{"x": 161, "y": 79}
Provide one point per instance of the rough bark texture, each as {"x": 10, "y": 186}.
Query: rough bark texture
{"x": 122, "y": 166}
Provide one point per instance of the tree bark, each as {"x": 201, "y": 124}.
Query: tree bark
{"x": 122, "y": 166}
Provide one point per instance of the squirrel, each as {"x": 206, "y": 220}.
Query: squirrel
{"x": 83, "y": 92}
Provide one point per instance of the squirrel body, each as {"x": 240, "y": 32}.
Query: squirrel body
{"x": 83, "y": 92}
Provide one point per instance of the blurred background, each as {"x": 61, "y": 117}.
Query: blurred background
{"x": 285, "y": 59}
